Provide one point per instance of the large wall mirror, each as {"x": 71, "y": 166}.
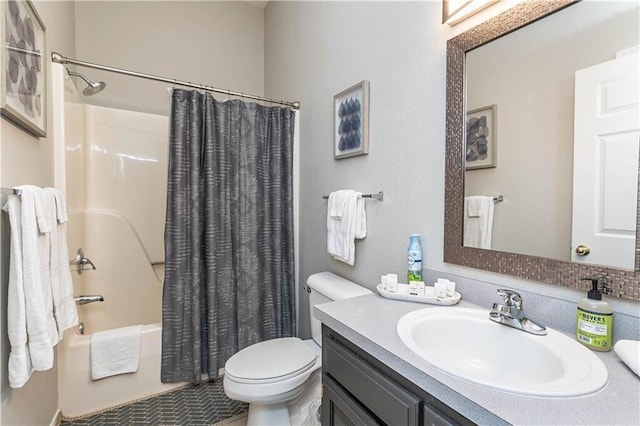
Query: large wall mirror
{"x": 525, "y": 91}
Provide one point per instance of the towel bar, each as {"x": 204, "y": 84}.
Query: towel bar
{"x": 378, "y": 196}
{"x": 10, "y": 191}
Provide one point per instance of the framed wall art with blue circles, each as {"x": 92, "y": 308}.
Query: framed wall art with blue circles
{"x": 23, "y": 98}
{"x": 481, "y": 138}
{"x": 351, "y": 121}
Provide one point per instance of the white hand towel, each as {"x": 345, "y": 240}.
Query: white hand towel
{"x": 20, "y": 368}
{"x": 61, "y": 205}
{"x": 474, "y": 206}
{"x": 64, "y": 307}
{"x": 629, "y": 353}
{"x": 478, "y": 224}
{"x": 115, "y": 351}
{"x": 361, "y": 218}
{"x": 337, "y": 203}
{"x": 41, "y": 326}
{"x": 342, "y": 231}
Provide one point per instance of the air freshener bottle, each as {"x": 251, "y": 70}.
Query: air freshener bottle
{"x": 414, "y": 259}
{"x": 595, "y": 320}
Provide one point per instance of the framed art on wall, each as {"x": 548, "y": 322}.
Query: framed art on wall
{"x": 23, "y": 98}
{"x": 481, "y": 138}
{"x": 351, "y": 121}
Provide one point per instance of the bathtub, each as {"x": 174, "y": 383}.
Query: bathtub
{"x": 132, "y": 290}
{"x": 79, "y": 395}
{"x": 113, "y": 161}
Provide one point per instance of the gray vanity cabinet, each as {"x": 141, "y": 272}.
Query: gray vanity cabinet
{"x": 358, "y": 390}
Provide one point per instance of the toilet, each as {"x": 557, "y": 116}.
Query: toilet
{"x": 279, "y": 378}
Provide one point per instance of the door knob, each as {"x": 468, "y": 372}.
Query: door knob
{"x": 583, "y": 250}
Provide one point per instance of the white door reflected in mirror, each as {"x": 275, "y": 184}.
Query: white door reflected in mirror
{"x": 605, "y": 170}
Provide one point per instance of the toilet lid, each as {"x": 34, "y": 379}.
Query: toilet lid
{"x": 271, "y": 360}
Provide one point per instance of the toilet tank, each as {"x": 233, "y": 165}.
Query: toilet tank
{"x": 327, "y": 287}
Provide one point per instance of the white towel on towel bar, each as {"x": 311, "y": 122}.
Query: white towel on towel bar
{"x": 38, "y": 214}
{"x": 478, "y": 221}
{"x": 346, "y": 221}
{"x": 20, "y": 368}
{"x": 64, "y": 307}
{"x": 474, "y": 206}
{"x": 115, "y": 351}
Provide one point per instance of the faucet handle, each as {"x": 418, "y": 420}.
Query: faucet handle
{"x": 86, "y": 260}
{"x": 80, "y": 261}
{"x": 511, "y": 298}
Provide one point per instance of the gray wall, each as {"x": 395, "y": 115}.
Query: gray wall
{"x": 207, "y": 42}
{"x": 314, "y": 50}
{"x": 26, "y": 159}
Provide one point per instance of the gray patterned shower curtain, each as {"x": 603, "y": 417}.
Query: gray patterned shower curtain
{"x": 229, "y": 258}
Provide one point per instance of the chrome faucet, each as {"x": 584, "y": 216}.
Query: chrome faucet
{"x": 84, "y": 299}
{"x": 511, "y": 314}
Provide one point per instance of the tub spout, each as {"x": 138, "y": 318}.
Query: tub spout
{"x": 84, "y": 299}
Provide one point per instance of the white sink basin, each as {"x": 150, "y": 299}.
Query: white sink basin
{"x": 467, "y": 344}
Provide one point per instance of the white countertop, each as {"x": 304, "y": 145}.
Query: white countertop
{"x": 370, "y": 323}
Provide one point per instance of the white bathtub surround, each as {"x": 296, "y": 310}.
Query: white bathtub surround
{"x": 115, "y": 351}
{"x": 116, "y": 215}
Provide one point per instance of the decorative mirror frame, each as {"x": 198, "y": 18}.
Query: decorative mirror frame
{"x": 620, "y": 283}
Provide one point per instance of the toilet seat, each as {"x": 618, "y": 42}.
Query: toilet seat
{"x": 282, "y": 374}
{"x": 271, "y": 361}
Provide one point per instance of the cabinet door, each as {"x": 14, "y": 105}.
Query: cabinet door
{"x": 433, "y": 417}
{"x": 383, "y": 397}
{"x": 340, "y": 409}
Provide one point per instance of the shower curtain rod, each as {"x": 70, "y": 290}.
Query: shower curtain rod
{"x": 58, "y": 58}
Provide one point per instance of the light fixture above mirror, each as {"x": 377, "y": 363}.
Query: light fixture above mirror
{"x": 455, "y": 11}
{"x": 622, "y": 283}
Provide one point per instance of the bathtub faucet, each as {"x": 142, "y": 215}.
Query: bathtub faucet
{"x": 84, "y": 299}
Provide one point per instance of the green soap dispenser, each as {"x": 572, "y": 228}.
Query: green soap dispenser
{"x": 595, "y": 320}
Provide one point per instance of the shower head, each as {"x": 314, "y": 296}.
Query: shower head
{"x": 92, "y": 88}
